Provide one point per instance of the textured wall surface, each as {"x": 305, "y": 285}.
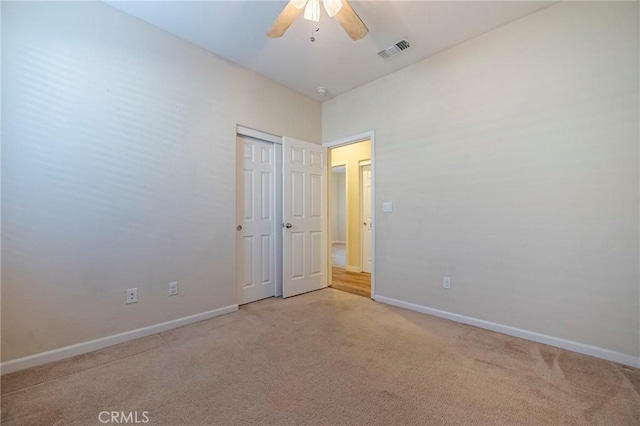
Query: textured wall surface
{"x": 118, "y": 162}
{"x": 512, "y": 163}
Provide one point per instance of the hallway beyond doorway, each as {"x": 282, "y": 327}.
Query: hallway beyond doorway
{"x": 358, "y": 283}
{"x": 352, "y": 214}
{"x": 339, "y": 255}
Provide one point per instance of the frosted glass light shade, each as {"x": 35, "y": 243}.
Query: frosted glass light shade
{"x": 312, "y": 11}
{"x": 332, "y": 7}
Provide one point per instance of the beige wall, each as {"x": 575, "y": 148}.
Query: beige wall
{"x": 512, "y": 163}
{"x": 350, "y": 156}
{"x": 118, "y": 159}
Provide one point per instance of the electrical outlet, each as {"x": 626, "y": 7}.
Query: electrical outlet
{"x": 132, "y": 295}
{"x": 173, "y": 288}
{"x": 446, "y": 282}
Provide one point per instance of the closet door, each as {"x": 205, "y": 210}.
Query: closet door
{"x": 256, "y": 257}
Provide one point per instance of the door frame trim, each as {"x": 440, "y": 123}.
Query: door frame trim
{"x": 370, "y": 136}
{"x": 258, "y": 134}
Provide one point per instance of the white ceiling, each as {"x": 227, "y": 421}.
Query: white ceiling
{"x": 236, "y": 31}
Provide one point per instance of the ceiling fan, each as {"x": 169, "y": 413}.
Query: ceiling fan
{"x": 339, "y": 9}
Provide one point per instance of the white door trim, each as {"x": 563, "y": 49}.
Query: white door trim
{"x": 258, "y": 134}
{"x": 370, "y": 136}
{"x": 352, "y": 139}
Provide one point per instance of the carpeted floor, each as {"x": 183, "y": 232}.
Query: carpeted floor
{"x": 327, "y": 358}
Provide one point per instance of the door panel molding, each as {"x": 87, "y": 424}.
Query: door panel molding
{"x": 258, "y": 217}
{"x": 305, "y": 200}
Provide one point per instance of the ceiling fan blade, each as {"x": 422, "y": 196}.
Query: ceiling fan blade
{"x": 284, "y": 20}
{"x": 351, "y": 22}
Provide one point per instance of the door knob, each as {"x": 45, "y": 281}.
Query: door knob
{"x": 288, "y": 225}
{"x": 239, "y": 227}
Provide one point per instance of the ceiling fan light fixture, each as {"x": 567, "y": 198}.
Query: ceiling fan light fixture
{"x": 332, "y": 7}
{"x": 340, "y": 10}
{"x": 312, "y": 11}
{"x": 299, "y": 4}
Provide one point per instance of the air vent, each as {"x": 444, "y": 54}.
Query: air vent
{"x": 403, "y": 44}
{"x": 394, "y": 50}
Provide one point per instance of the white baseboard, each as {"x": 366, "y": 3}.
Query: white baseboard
{"x": 517, "y": 332}
{"x": 93, "y": 345}
{"x": 354, "y": 269}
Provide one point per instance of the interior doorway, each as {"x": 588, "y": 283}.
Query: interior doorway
{"x": 351, "y": 217}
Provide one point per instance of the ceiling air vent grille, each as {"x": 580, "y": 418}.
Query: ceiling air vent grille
{"x": 392, "y": 51}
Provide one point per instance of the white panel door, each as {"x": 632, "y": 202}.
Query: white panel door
{"x": 304, "y": 242}
{"x": 366, "y": 218}
{"x": 256, "y": 218}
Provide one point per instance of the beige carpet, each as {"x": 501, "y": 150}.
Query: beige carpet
{"x": 327, "y": 358}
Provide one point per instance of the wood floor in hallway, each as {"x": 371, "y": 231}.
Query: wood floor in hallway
{"x": 351, "y": 282}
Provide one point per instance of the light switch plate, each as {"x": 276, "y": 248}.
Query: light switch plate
{"x": 387, "y": 206}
